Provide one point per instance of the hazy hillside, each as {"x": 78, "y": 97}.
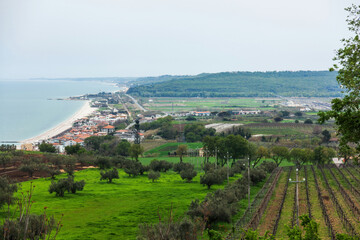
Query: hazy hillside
{"x": 240, "y": 84}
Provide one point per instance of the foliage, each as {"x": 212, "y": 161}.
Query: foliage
{"x": 167, "y": 229}
{"x": 254, "y": 235}
{"x": 152, "y": 175}
{"x": 323, "y": 155}
{"x": 310, "y": 228}
{"x": 47, "y": 147}
{"x": 66, "y": 184}
{"x": 197, "y": 131}
{"x": 308, "y": 121}
{"x": 345, "y": 110}
{"x": 109, "y": 175}
{"x": 300, "y": 156}
{"x": 188, "y": 174}
{"x": 74, "y": 149}
{"x": 27, "y": 225}
{"x": 268, "y": 166}
{"x": 257, "y": 175}
{"x": 123, "y": 148}
{"x": 211, "y": 177}
{"x": 103, "y": 162}
{"x": 178, "y": 167}
{"x": 278, "y": 154}
{"x": 31, "y": 165}
{"x": 135, "y": 151}
{"x": 5, "y": 158}
{"x": 181, "y": 151}
{"x": 7, "y": 190}
{"x": 160, "y": 166}
{"x": 243, "y": 84}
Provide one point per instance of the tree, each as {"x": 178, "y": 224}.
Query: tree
{"x": 300, "y": 156}
{"x": 257, "y": 153}
{"x": 66, "y": 184}
{"x": 308, "y": 121}
{"x": 181, "y": 151}
{"x": 7, "y": 190}
{"x": 278, "y": 154}
{"x": 210, "y": 178}
{"x": 123, "y": 148}
{"x": 347, "y": 153}
{"x": 31, "y": 166}
{"x": 74, "y": 149}
{"x": 326, "y": 136}
{"x": 153, "y": 175}
{"x": 298, "y": 114}
{"x": 278, "y": 119}
{"x": 188, "y": 174}
{"x": 103, "y": 162}
{"x": 345, "y": 110}
{"x": 135, "y": 151}
{"x": 109, "y": 175}
{"x": 323, "y": 155}
{"x": 47, "y": 147}
{"x": 5, "y": 158}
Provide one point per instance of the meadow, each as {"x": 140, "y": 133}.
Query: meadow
{"x": 114, "y": 211}
{"x": 208, "y": 104}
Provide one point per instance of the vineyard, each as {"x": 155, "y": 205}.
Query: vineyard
{"x": 328, "y": 194}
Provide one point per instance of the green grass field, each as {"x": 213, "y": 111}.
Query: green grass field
{"x": 164, "y": 149}
{"x": 114, "y": 211}
{"x": 211, "y": 104}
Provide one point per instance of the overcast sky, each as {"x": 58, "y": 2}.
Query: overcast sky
{"x": 98, "y": 38}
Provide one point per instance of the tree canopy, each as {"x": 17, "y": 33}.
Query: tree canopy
{"x": 346, "y": 110}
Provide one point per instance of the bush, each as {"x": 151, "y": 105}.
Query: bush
{"x": 188, "y": 174}
{"x": 208, "y": 167}
{"x": 178, "y": 167}
{"x": 210, "y": 178}
{"x": 66, "y": 184}
{"x": 160, "y": 166}
{"x": 153, "y": 175}
{"x": 103, "y": 162}
{"x": 134, "y": 168}
{"x": 7, "y": 190}
{"x": 109, "y": 175}
{"x": 257, "y": 175}
{"x": 268, "y": 166}
{"x": 308, "y": 121}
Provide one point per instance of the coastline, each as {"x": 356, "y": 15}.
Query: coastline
{"x": 84, "y": 111}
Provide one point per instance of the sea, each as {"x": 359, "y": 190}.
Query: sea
{"x": 28, "y": 107}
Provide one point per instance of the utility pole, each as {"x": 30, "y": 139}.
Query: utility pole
{"x": 297, "y": 194}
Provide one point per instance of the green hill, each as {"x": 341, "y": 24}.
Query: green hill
{"x": 241, "y": 84}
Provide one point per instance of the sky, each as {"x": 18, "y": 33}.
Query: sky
{"x": 132, "y": 38}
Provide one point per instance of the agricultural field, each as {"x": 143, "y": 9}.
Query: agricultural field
{"x": 330, "y": 195}
{"x": 114, "y": 211}
{"x": 207, "y": 104}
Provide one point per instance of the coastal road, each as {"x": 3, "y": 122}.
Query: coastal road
{"x": 136, "y": 103}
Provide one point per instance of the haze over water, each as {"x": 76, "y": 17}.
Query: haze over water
{"x": 25, "y": 110}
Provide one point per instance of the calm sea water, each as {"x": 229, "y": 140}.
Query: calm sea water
{"x": 25, "y": 110}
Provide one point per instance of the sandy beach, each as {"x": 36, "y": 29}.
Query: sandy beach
{"x": 84, "y": 111}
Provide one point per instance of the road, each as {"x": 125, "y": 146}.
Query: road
{"x": 136, "y": 103}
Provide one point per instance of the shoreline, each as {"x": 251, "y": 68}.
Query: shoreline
{"x": 84, "y": 111}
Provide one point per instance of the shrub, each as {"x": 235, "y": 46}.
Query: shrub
{"x": 268, "y": 166}
{"x": 66, "y": 184}
{"x": 308, "y": 121}
{"x": 109, "y": 175}
{"x": 178, "y": 167}
{"x": 208, "y": 167}
{"x": 153, "y": 175}
{"x": 160, "y": 166}
{"x": 257, "y": 175}
{"x": 103, "y": 162}
{"x": 7, "y": 190}
{"x": 134, "y": 168}
{"x": 188, "y": 174}
{"x": 210, "y": 178}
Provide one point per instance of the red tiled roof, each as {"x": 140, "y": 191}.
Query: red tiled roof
{"x": 109, "y": 127}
